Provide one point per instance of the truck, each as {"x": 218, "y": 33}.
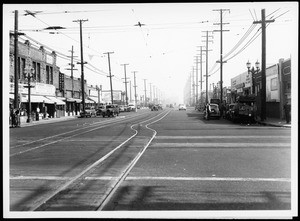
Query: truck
{"x": 110, "y": 110}
{"x": 244, "y": 109}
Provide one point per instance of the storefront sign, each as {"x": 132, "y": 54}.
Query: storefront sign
{"x": 38, "y": 89}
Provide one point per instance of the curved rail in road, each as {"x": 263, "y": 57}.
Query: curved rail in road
{"x": 49, "y": 140}
{"x": 50, "y": 199}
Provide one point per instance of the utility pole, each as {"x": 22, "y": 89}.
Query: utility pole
{"x": 221, "y": 50}
{"x": 72, "y": 69}
{"x": 201, "y": 81}
{"x": 150, "y": 92}
{"x": 126, "y": 97}
{"x": 206, "y": 99}
{"x": 153, "y": 94}
{"x": 263, "y": 62}
{"x": 145, "y": 92}
{"x": 99, "y": 89}
{"x": 130, "y": 91}
{"x": 197, "y": 79}
{"x": 193, "y": 85}
{"x": 110, "y": 76}
{"x": 135, "y": 96}
{"x": 82, "y": 64}
{"x": 16, "y": 54}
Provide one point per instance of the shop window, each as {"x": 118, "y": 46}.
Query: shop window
{"x": 274, "y": 85}
{"x": 51, "y": 75}
{"x": 47, "y": 74}
{"x": 38, "y": 72}
{"x": 34, "y": 68}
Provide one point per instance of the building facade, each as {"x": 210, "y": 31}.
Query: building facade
{"x": 41, "y": 64}
{"x": 278, "y": 87}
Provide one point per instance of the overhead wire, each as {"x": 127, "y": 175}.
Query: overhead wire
{"x": 247, "y": 33}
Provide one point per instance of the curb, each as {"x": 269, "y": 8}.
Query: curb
{"x": 274, "y": 125}
{"x": 47, "y": 121}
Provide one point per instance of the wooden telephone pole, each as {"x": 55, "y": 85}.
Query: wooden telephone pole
{"x": 263, "y": 62}
{"x": 82, "y": 64}
{"x": 221, "y": 50}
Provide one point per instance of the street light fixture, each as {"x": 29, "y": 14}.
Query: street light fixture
{"x": 29, "y": 74}
{"x": 253, "y": 71}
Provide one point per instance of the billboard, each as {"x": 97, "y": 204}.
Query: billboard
{"x": 272, "y": 84}
{"x": 106, "y": 96}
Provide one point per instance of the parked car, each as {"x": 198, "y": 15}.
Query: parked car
{"x": 89, "y": 112}
{"x": 181, "y": 107}
{"x": 99, "y": 110}
{"x": 244, "y": 109}
{"x": 127, "y": 108}
{"x": 154, "y": 108}
{"x": 212, "y": 111}
{"x": 111, "y": 110}
{"x": 229, "y": 111}
{"x": 122, "y": 108}
{"x": 132, "y": 107}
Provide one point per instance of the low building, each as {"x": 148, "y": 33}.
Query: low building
{"x": 40, "y": 65}
{"x": 278, "y": 87}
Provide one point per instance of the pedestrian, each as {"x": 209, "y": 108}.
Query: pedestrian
{"x": 16, "y": 117}
{"x": 207, "y": 111}
{"x": 12, "y": 117}
{"x": 287, "y": 112}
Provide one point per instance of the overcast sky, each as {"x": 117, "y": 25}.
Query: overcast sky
{"x": 163, "y": 49}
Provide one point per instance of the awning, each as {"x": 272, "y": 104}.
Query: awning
{"x": 55, "y": 100}
{"x": 37, "y": 99}
{"x": 89, "y": 101}
{"x": 94, "y": 99}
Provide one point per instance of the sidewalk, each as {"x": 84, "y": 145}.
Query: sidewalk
{"x": 48, "y": 120}
{"x": 276, "y": 122}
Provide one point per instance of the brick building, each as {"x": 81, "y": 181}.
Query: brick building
{"x": 44, "y": 101}
{"x": 278, "y": 87}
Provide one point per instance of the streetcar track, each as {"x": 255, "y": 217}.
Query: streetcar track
{"x": 85, "y": 127}
{"x": 93, "y": 165}
{"x": 123, "y": 175}
{"x": 64, "y": 138}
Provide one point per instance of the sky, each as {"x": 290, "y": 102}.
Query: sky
{"x": 163, "y": 49}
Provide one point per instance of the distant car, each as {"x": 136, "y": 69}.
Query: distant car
{"x": 132, "y": 107}
{"x": 89, "y": 112}
{"x": 111, "y": 110}
{"x": 212, "y": 111}
{"x": 182, "y": 107}
{"x": 99, "y": 110}
{"x": 229, "y": 111}
{"x": 154, "y": 108}
{"x": 122, "y": 108}
{"x": 127, "y": 108}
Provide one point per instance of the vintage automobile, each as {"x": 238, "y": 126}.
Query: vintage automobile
{"x": 111, "y": 110}
{"x": 89, "y": 112}
{"x": 154, "y": 107}
{"x": 229, "y": 111}
{"x": 122, "y": 108}
{"x": 244, "y": 110}
{"x": 181, "y": 107}
{"x": 212, "y": 111}
{"x": 100, "y": 109}
{"x": 132, "y": 107}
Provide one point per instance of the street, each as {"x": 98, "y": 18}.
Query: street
{"x": 147, "y": 161}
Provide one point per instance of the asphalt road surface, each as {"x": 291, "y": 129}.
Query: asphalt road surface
{"x": 163, "y": 160}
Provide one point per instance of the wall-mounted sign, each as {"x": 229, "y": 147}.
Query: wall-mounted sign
{"x": 38, "y": 89}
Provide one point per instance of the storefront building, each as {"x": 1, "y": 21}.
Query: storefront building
{"x": 278, "y": 87}
{"x": 42, "y": 66}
